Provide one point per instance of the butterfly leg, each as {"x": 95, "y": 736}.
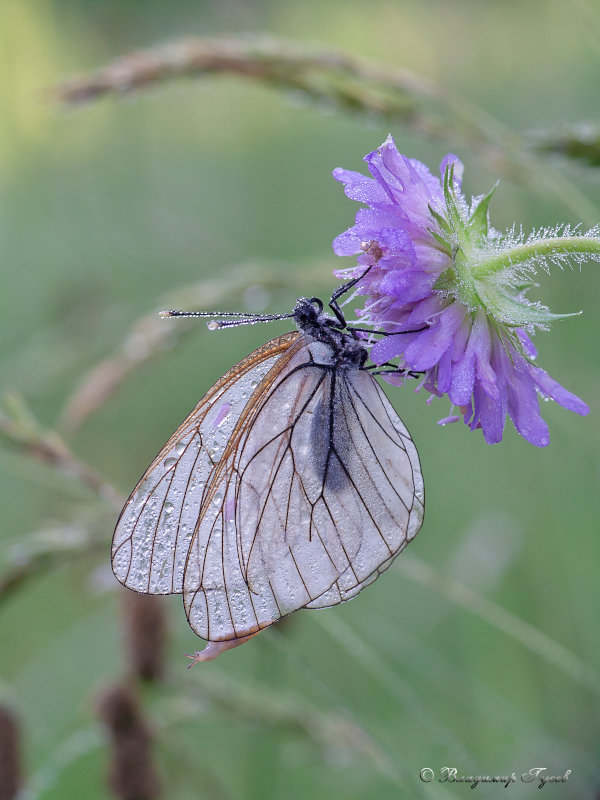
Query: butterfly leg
{"x": 214, "y": 649}
{"x": 341, "y": 290}
{"x": 408, "y": 373}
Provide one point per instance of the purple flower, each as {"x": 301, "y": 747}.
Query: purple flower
{"x": 450, "y": 293}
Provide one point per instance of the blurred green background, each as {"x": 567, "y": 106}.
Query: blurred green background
{"x": 107, "y": 209}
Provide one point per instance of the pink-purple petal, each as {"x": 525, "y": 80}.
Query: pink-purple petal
{"x": 423, "y": 353}
{"x": 449, "y": 160}
{"x": 526, "y": 343}
{"x": 553, "y": 389}
{"x": 408, "y": 285}
{"x": 347, "y": 243}
{"x": 386, "y": 348}
{"x": 348, "y": 176}
{"x": 524, "y": 410}
{"x": 483, "y": 351}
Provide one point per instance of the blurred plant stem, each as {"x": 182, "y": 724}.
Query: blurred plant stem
{"x": 167, "y": 707}
{"x": 527, "y": 635}
{"x": 50, "y": 547}
{"x": 46, "y": 549}
{"x": 578, "y": 141}
{"x": 11, "y": 769}
{"x": 19, "y": 428}
{"x": 132, "y": 771}
{"x": 322, "y": 75}
{"x": 347, "y": 84}
{"x": 145, "y": 632}
{"x": 377, "y": 666}
{"x": 263, "y": 703}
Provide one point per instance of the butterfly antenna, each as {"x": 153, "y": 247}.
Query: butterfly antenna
{"x": 237, "y": 317}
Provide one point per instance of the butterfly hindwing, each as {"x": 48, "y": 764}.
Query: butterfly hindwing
{"x": 384, "y": 468}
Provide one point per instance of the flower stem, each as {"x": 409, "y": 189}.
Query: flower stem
{"x": 520, "y": 254}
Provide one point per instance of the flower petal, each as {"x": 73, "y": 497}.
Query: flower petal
{"x": 408, "y": 285}
{"x": 347, "y": 176}
{"x": 526, "y": 343}
{"x": 524, "y": 410}
{"x": 387, "y": 348}
{"x": 489, "y": 415}
{"x": 426, "y": 350}
{"x": 444, "y": 371}
{"x": 485, "y": 373}
{"x": 348, "y": 243}
{"x": 459, "y": 168}
{"x": 553, "y": 389}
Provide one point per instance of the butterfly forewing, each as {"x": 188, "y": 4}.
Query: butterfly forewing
{"x": 153, "y": 534}
{"x": 319, "y": 490}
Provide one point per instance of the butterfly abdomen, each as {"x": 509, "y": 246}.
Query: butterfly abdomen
{"x": 329, "y": 437}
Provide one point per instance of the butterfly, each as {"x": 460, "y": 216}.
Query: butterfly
{"x": 292, "y": 484}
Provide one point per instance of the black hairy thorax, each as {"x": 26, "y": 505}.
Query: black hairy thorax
{"x": 312, "y": 322}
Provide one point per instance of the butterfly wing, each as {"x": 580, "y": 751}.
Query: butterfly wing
{"x": 388, "y": 471}
{"x": 153, "y": 534}
{"x": 318, "y": 493}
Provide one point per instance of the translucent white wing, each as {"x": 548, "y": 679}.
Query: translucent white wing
{"x": 153, "y": 534}
{"x": 319, "y": 494}
{"x": 379, "y": 433}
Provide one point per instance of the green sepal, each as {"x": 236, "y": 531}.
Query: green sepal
{"x": 441, "y": 221}
{"x": 440, "y": 240}
{"x": 513, "y": 312}
{"x": 478, "y": 221}
{"x": 446, "y": 281}
{"x": 453, "y": 213}
{"x": 523, "y": 287}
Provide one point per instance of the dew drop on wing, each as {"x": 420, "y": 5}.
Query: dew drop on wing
{"x": 214, "y": 453}
{"x": 169, "y": 462}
